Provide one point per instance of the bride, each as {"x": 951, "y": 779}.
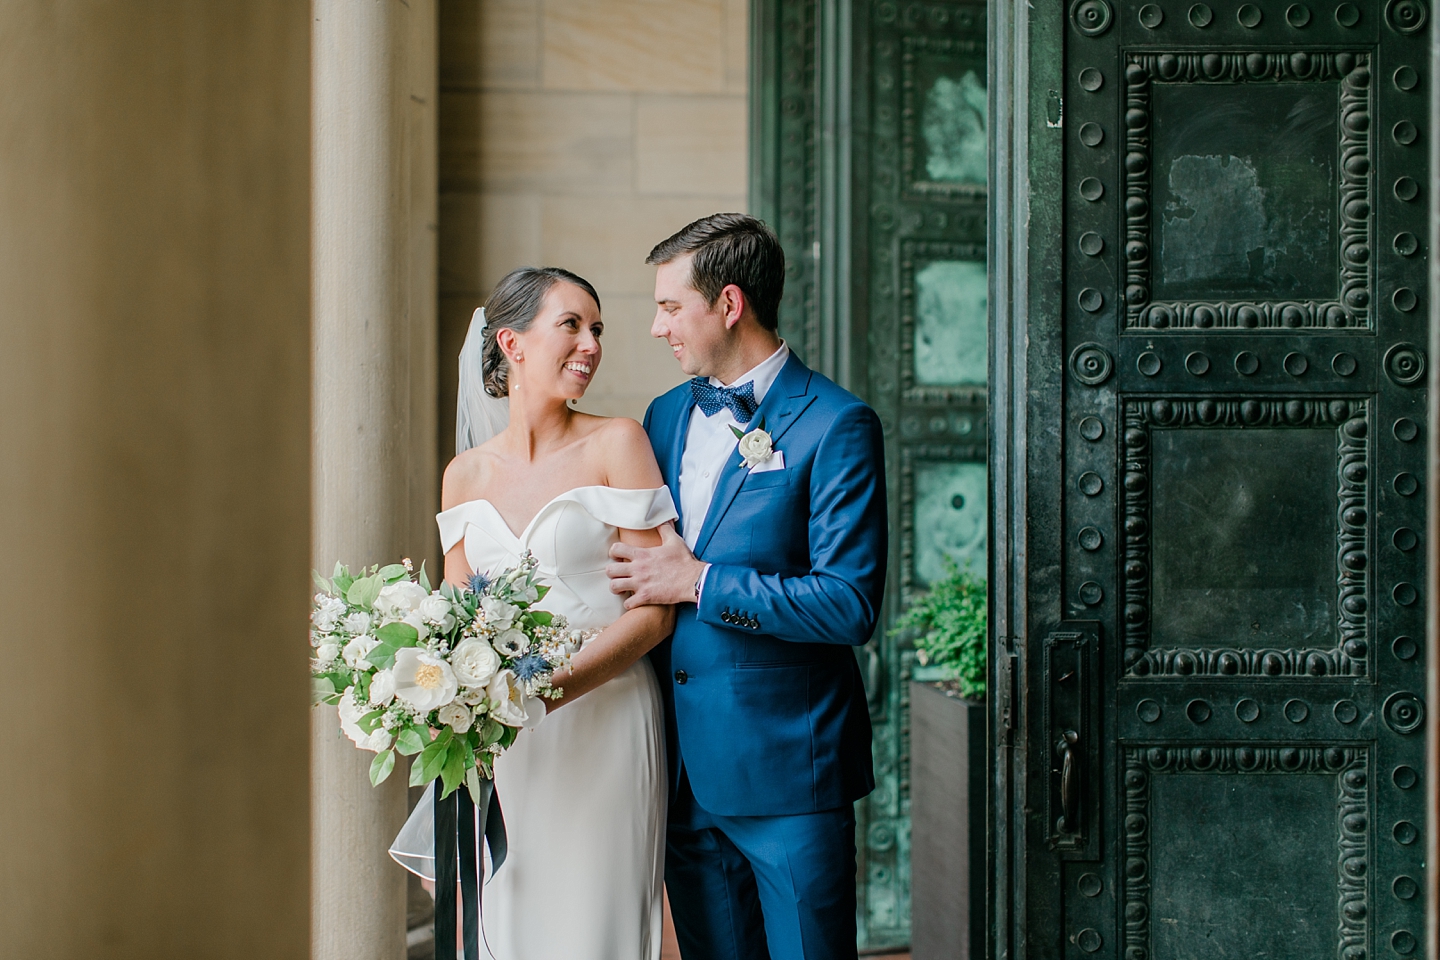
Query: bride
{"x": 584, "y": 792}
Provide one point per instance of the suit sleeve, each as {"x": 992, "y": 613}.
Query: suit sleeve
{"x": 838, "y": 601}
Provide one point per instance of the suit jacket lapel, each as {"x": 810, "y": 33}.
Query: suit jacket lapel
{"x": 786, "y": 399}
{"x": 675, "y": 454}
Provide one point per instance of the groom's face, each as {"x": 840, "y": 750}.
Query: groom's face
{"x": 696, "y": 331}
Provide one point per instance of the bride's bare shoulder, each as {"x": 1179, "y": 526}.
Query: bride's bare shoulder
{"x": 465, "y": 476}
{"x": 628, "y": 457}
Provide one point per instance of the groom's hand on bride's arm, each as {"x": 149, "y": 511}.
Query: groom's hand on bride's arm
{"x": 655, "y": 575}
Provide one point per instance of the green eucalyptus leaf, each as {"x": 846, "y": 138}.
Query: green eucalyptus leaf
{"x": 381, "y": 766}
{"x": 424, "y": 580}
{"x": 539, "y": 618}
{"x": 507, "y": 737}
{"x": 382, "y": 656}
{"x": 541, "y": 589}
{"x": 472, "y": 783}
{"x": 363, "y": 592}
{"x": 397, "y": 635}
{"x": 322, "y": 690}
{"x": 491, "y": 732}
{"x": 409, "y": 742}
{"x": 392, "y": 572}
{"x": 417, "y": 775}
{"x": 370, "y": 721}
{"x": 321, "y": 582}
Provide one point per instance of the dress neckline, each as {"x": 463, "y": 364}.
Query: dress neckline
{"x": 525, "y": 533}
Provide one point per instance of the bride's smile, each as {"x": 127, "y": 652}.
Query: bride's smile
{"x": 558, "y": 354}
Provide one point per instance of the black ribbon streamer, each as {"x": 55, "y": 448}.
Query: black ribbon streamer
{"x": 455, "y": 828}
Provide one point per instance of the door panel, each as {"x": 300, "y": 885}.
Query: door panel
{"x": 870, "y": 152}
{"x": 1239, "y": 437}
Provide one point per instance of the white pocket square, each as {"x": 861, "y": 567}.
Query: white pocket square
{"x": 776, "y": 462}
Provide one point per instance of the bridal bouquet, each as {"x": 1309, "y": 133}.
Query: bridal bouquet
{"x": 451, "y": 674}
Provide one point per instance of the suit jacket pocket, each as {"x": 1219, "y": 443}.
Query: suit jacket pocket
{"x": 770, "y": 478}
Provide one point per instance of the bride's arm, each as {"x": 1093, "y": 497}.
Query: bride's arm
{"x": 618, "y": 645}
{"x": 629, "y": 463}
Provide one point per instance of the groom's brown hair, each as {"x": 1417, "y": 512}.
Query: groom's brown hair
{"x": 731, "y": 248}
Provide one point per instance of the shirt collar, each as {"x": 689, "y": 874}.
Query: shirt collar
{"x": 763, "y": 374}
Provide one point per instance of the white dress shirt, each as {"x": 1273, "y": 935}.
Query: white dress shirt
{"x": 710, "y": 445}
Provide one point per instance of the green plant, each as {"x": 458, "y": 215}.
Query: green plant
{"x": 949, "y": 626}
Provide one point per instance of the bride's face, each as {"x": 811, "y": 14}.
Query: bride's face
{"x": 559, "y": 354}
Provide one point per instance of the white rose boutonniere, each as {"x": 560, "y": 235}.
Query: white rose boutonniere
{"x": 755, "y": 447}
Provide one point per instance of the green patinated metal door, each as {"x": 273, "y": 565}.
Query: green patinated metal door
{"x": 1212, "y": 341}
{"x": 870, "y": 152}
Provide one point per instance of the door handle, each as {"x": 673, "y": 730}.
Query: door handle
{"x": 1072, "y": 729}
{"x": 1069, "y": 782}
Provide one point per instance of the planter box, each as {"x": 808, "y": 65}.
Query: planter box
{"x": 947, "y": 825}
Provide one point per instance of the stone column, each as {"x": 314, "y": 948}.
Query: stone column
{"x": 154, "y": 479}
{"x": 374, "y": 421}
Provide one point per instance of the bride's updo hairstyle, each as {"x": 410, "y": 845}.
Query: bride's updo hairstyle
{"x": 515, "y": 303}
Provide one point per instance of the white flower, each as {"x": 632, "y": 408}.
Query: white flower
{"x": 413, "y": 619}
{"x": 327, "y": 612}
{"x": 456, "y": 717}
{"x": 350, "y": 714}
{"x": 436, "y": 609}
{"x": 327, "y": 653}
{"x": 382, "y": 687}
{"x": 755, "y": 447}
{"x": 498, "y": 613}
{"x": 471, "y": 696}
{"x": 512, "y": 642}
{"x": 357, "y": 623}
{"x": 400, "y": 598}
{"x": 511, "y": 705}
{"x": 474, "y": 662}
{"x": 356, "y": 650}
{"x": 423, "y": 679}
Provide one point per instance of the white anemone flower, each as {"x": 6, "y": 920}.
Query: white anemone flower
{"x": 423, "y": 679}
{"x": 512, "y": 642}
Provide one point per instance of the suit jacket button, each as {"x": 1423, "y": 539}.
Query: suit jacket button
{"x": 754, "y": 624}
{"x": 681, "y": 676}
{"x": 726, "y": 618}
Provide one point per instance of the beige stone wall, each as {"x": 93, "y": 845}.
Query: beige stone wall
{"x": 578, "y": 133}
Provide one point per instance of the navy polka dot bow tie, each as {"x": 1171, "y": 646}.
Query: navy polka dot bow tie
{"x": 712, "y": 399}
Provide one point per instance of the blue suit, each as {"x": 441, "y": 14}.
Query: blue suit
{"x": 768, "y": 730}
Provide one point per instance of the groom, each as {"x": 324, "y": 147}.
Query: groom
{"x": 777, "y": 573}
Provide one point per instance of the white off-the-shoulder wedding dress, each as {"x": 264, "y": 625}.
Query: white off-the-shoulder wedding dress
{"x": 584, "y": 792}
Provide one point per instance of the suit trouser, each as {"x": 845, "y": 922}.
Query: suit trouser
{"x": 761, "y": 888}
